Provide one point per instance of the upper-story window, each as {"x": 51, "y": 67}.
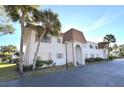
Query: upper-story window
{"x": 91, "y": 46}
{"x": 46, "y": 39}
{"x": 59, "y": 55}
{"x": 58, "y": 40}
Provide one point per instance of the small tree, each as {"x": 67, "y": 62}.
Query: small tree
{"x": 121, "y": 50}
{"x": 121, "y": 47}
{"x": 108, "y": 39}
{"x": 6, "y": 52}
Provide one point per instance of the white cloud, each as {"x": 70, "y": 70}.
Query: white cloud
{"x": 104, "y": 20}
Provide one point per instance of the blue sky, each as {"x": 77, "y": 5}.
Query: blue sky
{"x": 94, "y": 21}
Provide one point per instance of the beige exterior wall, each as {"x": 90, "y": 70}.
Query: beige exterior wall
{"x": 49, "y": 51}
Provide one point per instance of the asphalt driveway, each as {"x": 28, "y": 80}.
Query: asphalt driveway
{"x": 108, "y": 74}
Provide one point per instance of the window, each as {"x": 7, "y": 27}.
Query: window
{"x": 46, "y": 39}
{"x": 59, "y": 55}
{"x": 91, "y": 46}
{"x": 58, "y": 40}
{"x": 92, "y": 55}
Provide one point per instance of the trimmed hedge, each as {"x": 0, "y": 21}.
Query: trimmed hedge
{"x": 99, "y": 59}
{"x": 112, "y": 57}
{"x": 49, "y": 62}
{"x": 89, "y": 60}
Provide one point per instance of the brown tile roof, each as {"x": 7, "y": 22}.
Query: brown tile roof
{"x": 74, "y": 35}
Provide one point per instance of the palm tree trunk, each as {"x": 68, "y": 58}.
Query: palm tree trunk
{"x": 35, "y": 56}
{"x": 21, "y": 44}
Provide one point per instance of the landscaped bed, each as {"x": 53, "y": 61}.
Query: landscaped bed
{"x": 99, "y": 60}
{"x": 44, "y": 71}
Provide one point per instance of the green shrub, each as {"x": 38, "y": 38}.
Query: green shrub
{"x": 98, "y": 59}
{"x": 49, "y": 62}
{"x": 89, "y": 60}
{"x": 6, "y": 56}
{"x": 121, "y": 54}
{"x": 112, "y": 57}
{"x": 39, "y": 62}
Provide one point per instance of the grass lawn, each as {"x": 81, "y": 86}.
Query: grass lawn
{"x": 8, "y": 71}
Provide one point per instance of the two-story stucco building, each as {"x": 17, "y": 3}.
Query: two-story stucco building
{"x": 71, "y": 45}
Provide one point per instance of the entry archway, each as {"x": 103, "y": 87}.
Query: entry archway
{"x": 78, "y": 55}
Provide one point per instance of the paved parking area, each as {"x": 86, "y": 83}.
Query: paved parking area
{"x": 108, "y": 74}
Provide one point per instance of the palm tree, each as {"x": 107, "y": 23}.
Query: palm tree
{"x": 22, "y": 14}
{"x": 6, "y": 29}
{"x": 109, "y": 39}
{"x": 50, "y": 24}
{"x": 5, "y": 25}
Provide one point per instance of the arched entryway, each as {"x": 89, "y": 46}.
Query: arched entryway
{"x": 78, "y": 55}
